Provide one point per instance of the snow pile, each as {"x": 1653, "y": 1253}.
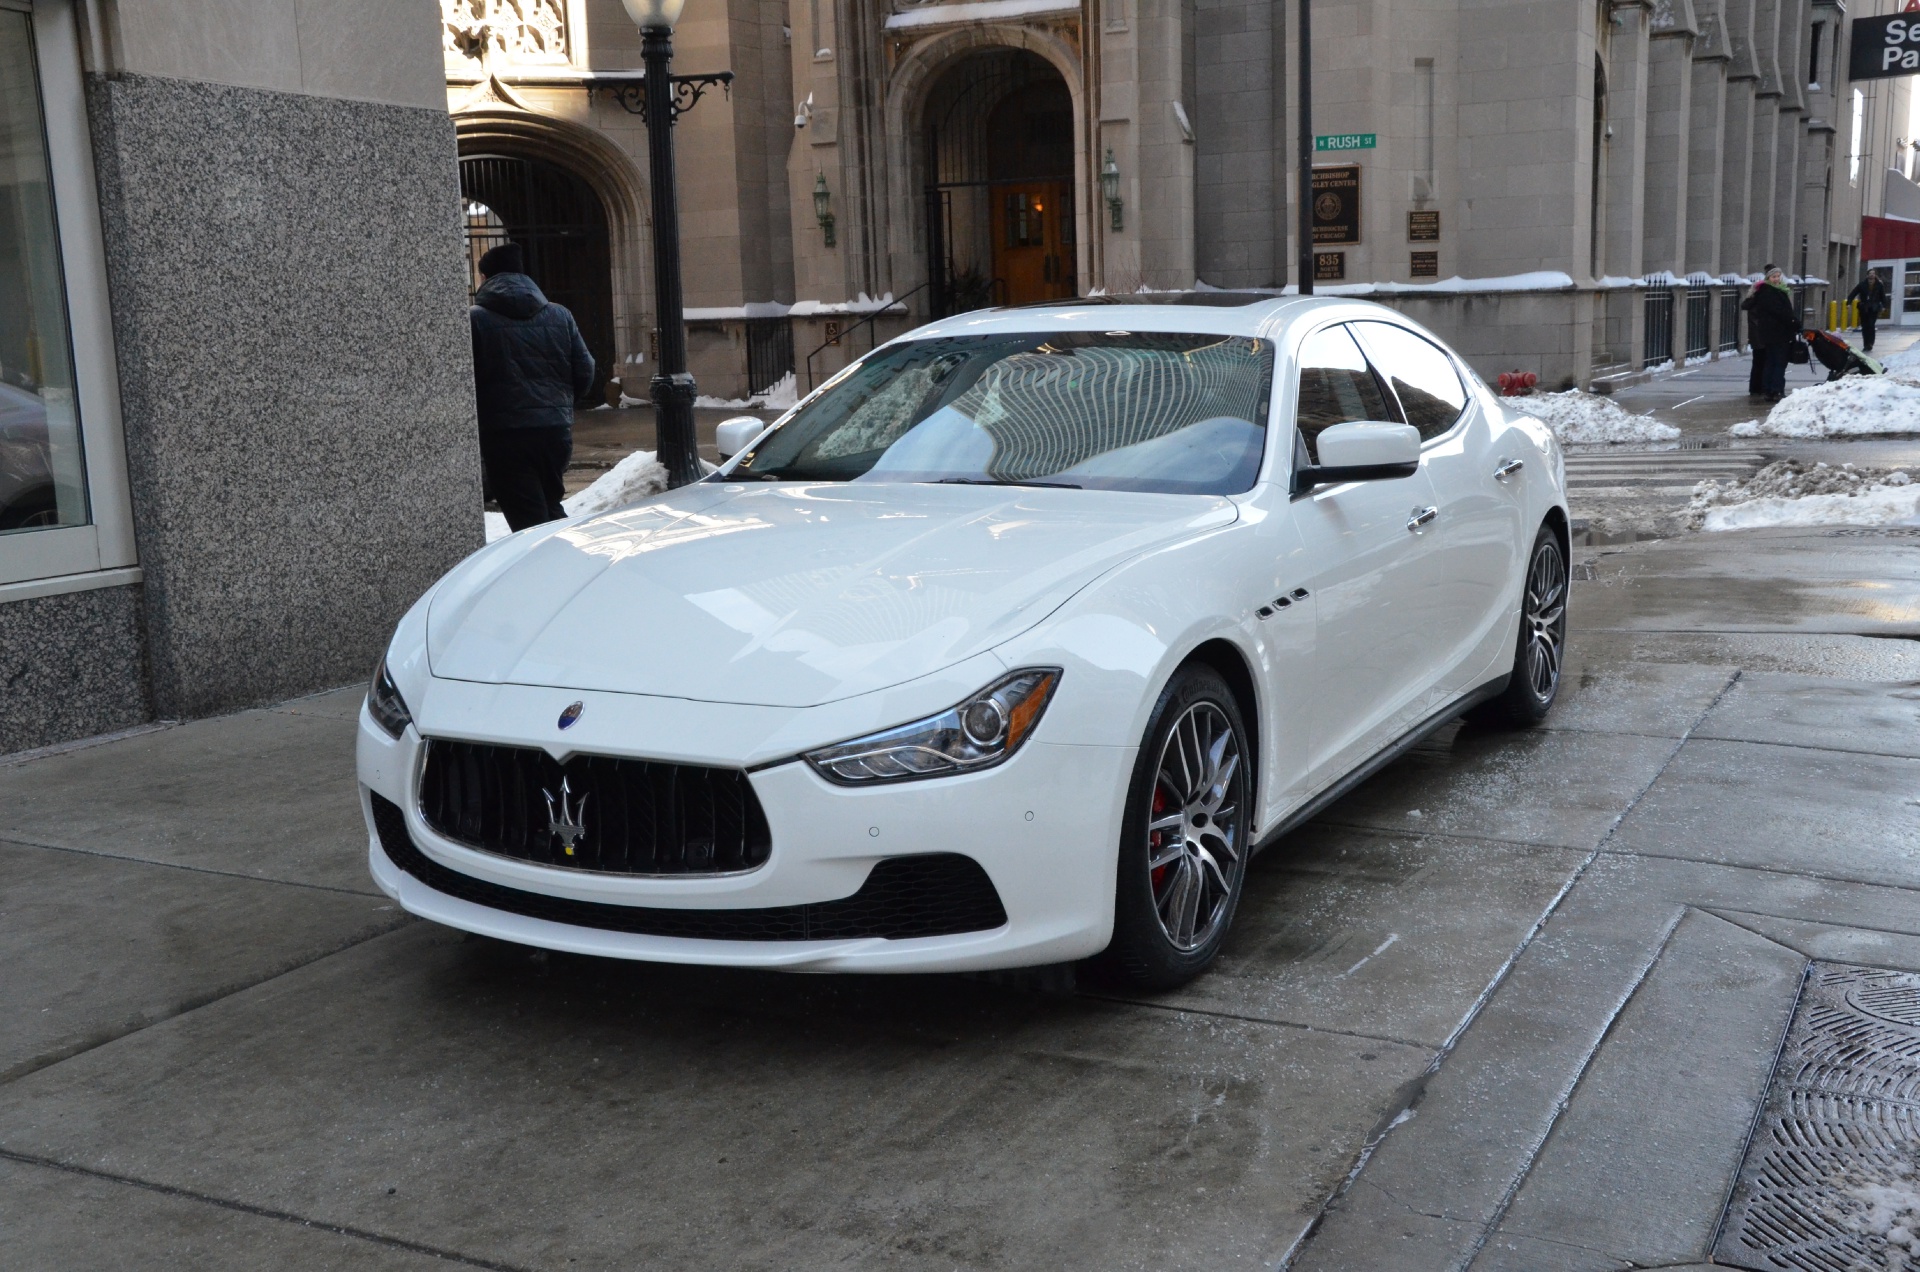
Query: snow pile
{"x": 633, "y": 478}
{"x": 1856, "y": 406}
{"x": 783, "y": 396}
{"x": 1892, "y": 1214}
{"x": 1791, "y": 492}
{"x": 1579, "y": 417}
{"x": 1904, "y": 363}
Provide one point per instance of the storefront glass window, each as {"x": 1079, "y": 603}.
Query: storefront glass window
{"x": 42, "y": 478}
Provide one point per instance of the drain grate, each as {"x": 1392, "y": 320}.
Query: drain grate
{"x": 1876, "y": 532}
{"x": 1831, "y": 1181}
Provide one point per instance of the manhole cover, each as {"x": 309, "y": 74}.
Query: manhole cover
{"x": 1831, "y": 1180}
{"x": 1876, "y": 532}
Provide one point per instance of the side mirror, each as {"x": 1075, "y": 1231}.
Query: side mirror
{"x": 735, "y": 435}
{"x": 1364, "y": 450}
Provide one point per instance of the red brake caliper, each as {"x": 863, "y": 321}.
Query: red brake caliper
{"x": 1158, "y": 838}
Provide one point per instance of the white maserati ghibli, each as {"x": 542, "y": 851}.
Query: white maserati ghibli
{"x": 1008, "y": 646}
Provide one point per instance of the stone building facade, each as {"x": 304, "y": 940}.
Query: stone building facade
{"x": 236, "y": 402}
{"x": 1564, "y": 186}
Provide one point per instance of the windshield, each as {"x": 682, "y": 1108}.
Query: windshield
{"x": 1114, "y": 410}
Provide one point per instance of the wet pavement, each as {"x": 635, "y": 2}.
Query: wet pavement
{"x": 1512, "y": 1004}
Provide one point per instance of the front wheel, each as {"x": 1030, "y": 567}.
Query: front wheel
{"x": 1535, "y": 681}
{"x": 1183, "y": 842}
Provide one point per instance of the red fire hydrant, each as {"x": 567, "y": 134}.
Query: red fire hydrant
{"x": 1517, "y": 383}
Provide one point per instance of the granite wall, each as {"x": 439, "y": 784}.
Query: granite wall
{"x": 289, "y": 303}
{"x": 71, "y": 665}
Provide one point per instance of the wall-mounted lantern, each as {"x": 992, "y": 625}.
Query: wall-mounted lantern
{"x": 823, "y": 207}
{"x": 1110, "y": 186}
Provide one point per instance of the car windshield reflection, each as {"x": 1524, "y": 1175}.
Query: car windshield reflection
{"x": 1139, "y": 411}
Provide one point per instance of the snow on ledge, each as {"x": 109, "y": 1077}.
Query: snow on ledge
{"x": 861, "y": 304}
{"x": 987, "y": 11}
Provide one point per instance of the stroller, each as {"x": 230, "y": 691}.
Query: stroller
{"x": 1839, "y": 357}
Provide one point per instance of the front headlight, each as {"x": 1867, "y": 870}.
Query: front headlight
{"x": 975, "y": 734}
{"x": 385, "y": 705}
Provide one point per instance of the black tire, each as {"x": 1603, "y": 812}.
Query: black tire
{"x": 1540, "y": 650}
{"x": 1204, "y": 859}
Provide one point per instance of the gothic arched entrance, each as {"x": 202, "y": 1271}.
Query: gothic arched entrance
{"x": 999, "y": 154}
{"x": 561, "y": 226}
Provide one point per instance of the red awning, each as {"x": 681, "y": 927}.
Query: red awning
{"x": 1882, "y": 238}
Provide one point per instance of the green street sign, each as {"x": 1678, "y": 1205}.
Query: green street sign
{"x": 1346, "y": 141}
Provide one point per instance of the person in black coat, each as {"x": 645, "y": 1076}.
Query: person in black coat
{"x": 1872, "y": 295}
{"x": 1773, "y": 324}
{"x": 530, "y": 367}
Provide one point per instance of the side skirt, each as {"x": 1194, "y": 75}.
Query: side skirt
{"x": 1380, "y": 759}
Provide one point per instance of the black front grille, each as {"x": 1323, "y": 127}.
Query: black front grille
{"x": 640, "y": 816}
{"x": 939, "y": 894}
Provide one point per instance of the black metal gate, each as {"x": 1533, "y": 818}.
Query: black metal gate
{"x": 1658, "y": 346}
{"x": 1729, "y": 319}
{"x": 561, "y": 226}
{"x": 1698, "y": 340}
{"x": 769, "y": 352}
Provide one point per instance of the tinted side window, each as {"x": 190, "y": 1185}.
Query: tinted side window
{"x": 1422, "y": 376}
{"x": 1336, "y": 386}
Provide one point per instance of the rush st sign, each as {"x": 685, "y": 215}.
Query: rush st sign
{"x": 1885, "y": 47}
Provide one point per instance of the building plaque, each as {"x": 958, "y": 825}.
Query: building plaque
{"x": 1423, "y": 227}
{"x": 1426, "y": 264}
{"x": 1336, "y": 205}
{"x": 1329, "y": 267}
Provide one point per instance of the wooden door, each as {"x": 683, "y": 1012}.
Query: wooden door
{"x": 1033, "y": 243}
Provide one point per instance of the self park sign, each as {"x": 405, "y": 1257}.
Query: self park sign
{"x": 1885, "y": 47}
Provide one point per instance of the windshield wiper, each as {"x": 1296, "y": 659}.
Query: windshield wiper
{"x": 1003, "y": 481}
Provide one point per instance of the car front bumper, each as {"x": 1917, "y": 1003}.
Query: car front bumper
{"x": 1044, "y": 826}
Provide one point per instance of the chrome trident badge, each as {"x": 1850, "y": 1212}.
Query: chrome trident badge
{"x": 567, "y": 823}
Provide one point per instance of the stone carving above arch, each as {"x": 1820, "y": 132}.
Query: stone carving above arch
{"x": 518, "y": 32}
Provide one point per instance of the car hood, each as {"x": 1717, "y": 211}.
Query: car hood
{"x": 787, "y": 595}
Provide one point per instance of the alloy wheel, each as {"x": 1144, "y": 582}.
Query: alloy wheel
{"x": 1546, "y": 619}
{"x": 1196, "y": 830}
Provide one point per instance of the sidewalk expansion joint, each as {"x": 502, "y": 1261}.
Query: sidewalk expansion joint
{"x": 186, "y": 1006}
{"x": 261, "y": 1212}
{"x": 371, "y": 894}
{"x": 1486, "y": 995}
{"x": 1217, "y": 1014}
{"x": 1491, "y": 1223}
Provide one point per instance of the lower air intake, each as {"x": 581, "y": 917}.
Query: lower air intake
{"x": 938, "y": 894}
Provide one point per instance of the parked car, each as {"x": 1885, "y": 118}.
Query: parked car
{"x": 1009, "y": 646}
{"x": 26, "y": 461}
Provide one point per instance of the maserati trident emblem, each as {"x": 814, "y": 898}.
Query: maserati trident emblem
{"x": 567, "y": 821}
{"x": 571, "y": 715}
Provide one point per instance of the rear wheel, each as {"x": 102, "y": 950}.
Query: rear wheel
{"x": 1535, "y": 682}
{"x": 1183, "y": 843}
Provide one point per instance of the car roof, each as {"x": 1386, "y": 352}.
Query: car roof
{"x": 1207, "y": 312}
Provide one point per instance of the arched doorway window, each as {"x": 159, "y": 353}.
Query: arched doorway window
{"x": 561, "y": 226}
{"x": 1000, "y": 214}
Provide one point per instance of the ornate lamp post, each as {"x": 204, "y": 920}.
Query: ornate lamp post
{"x": 661, "y": 100}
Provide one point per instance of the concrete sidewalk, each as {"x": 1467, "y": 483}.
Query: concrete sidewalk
{"x": 1512, "y": 1004}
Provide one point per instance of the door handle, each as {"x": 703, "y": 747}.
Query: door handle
{"x": 1508, "y": 467}
{"x": 1420, "y": 517}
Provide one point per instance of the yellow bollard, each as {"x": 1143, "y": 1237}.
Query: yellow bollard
{"x": 1833, "y": 315}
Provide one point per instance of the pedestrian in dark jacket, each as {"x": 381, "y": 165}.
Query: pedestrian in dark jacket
{"x": 1773, "y": 324}
{"x": 1872, "y": 295}
{"x": 530, "y": 367}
